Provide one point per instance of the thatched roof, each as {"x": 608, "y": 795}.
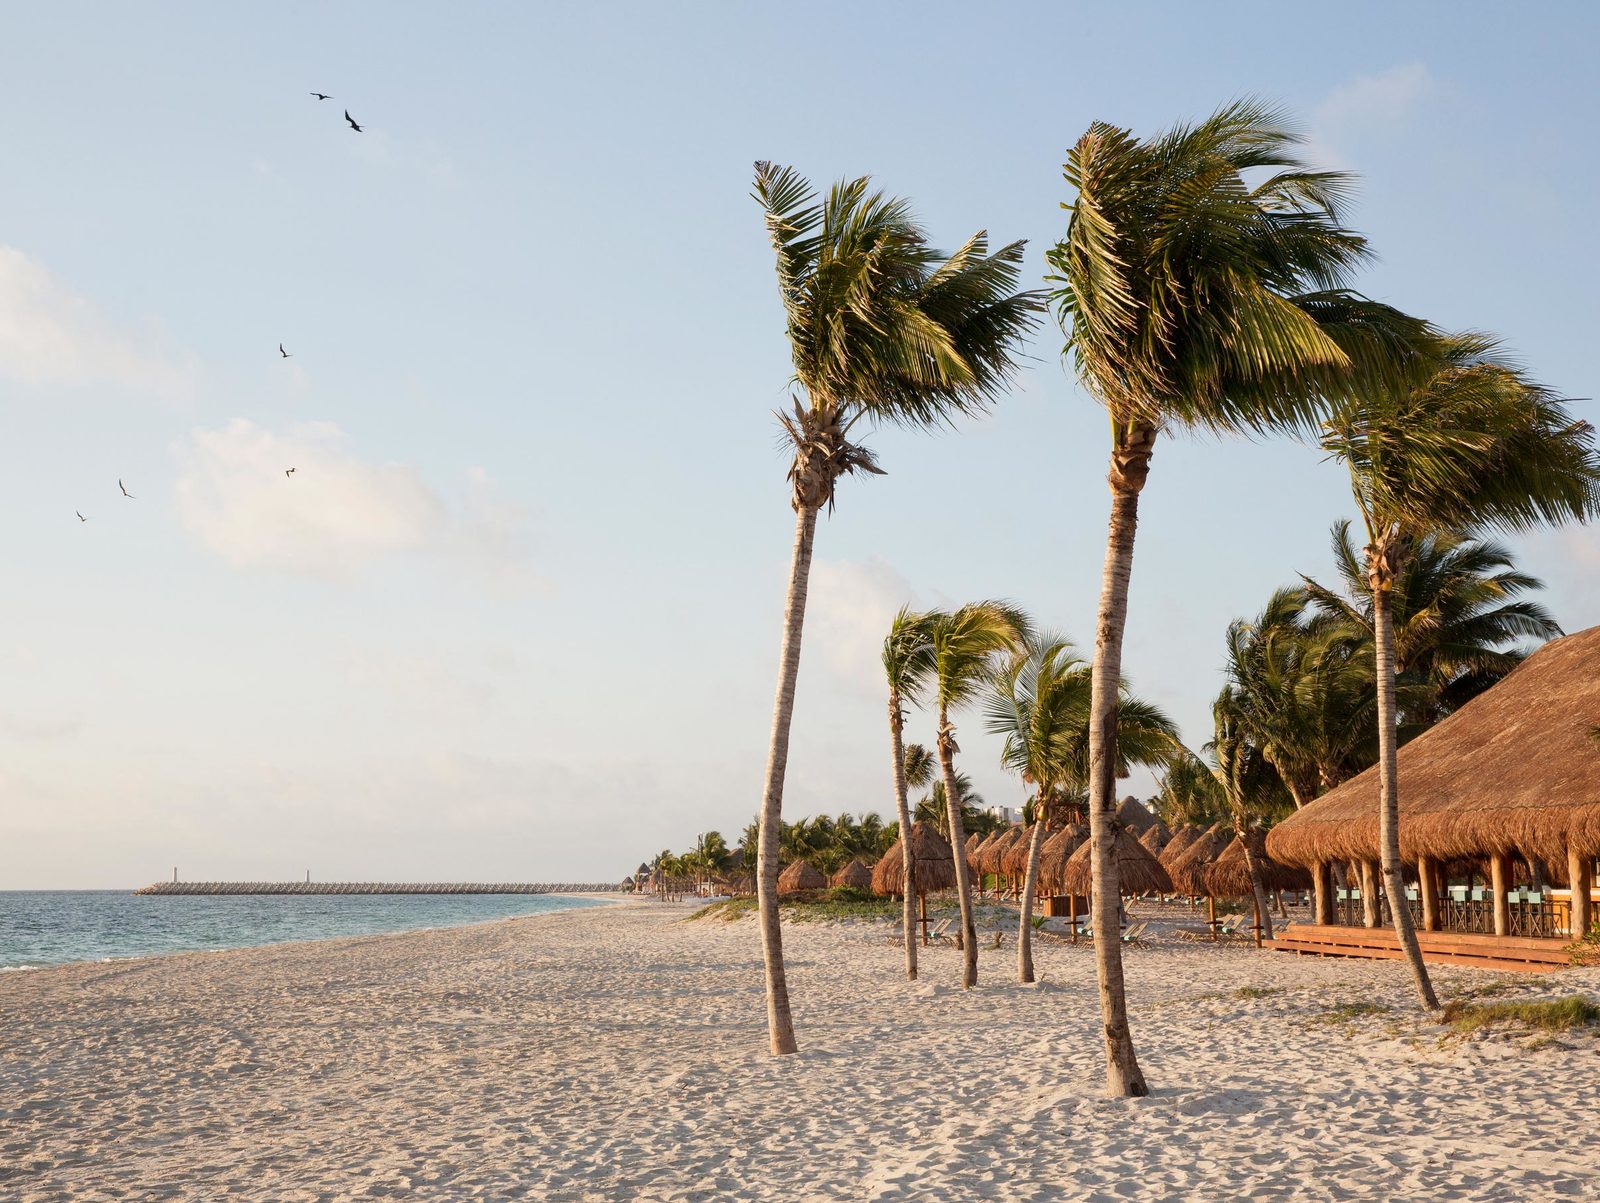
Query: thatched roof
{"x": 1515, "y": 770}
{"x": 1135, "y": 814}
{"x": 1014, "y": 860}
{"x": 1056, "y": 852}
{"x": 642, "y": 871}
{"x": 855, "y": 875}
{"x": 974, "y": 841}
{"x": 1154, "y": 840}
{"x": 936, "y": 868}
{"x": 994, "y": 851}
{"x": 1180, "y": 841}
{"x": 1187, "y": 869}
{"x": 1137, "y": 870}
{"x": 799, "y": 876}
{"x": 1229, "y": 877}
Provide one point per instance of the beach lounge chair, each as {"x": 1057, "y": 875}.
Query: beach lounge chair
{"x": 1135, "y": 934}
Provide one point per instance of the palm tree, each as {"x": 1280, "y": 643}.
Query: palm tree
{"x": 1189, "y": 793}
{"x": 1459, "y": 617}
{"x": 881, "y": 327}
{"x": 908, "y": 663}
{"x": 1040, "y": 704}
{"x": 1193, "y": 298}
{"x": 967, "y": 645}
{"x": 935, "y": 807}
{"x": 1470, "y": 442}
{"x": 1255, "y": 791}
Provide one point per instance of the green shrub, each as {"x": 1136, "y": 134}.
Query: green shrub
{"x": 1547, "y": 1015}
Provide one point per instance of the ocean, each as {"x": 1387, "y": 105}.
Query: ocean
{"x": 53, "y": 927}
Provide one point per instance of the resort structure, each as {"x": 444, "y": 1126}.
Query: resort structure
{"x": 1499, "y": 827}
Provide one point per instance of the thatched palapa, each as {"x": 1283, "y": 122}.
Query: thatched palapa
{"x": 994, "y": 852}
{"x": 1229, "y": 876}
{"x": 1187, "y": 870}
{"x": 936, "y": 868}
{"x": 1154, "y": 840}
{"x": 1135, "y": 815}
{"x": 1514, "y": 771}
{"x": 1056, "y": 852}
{"x": 1179, "y": 843}
{"x": 1014, "y": 860}
{"x": 799, "y": 877}
{"x": 1137, "y": 870}
{"x": 856, "y": 875}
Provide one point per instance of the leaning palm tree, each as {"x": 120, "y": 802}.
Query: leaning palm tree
{"x": 881, "y": 328}
{"x": 1040, "y": 705}
{"x": 907, "y": 663}
{"x": 1469, "y": 443}
{"x": 1253, "y": 786}
{"x": 1193, "y": 298}
{"x": 968, "y": 645}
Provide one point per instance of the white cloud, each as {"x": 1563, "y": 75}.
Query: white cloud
{"x": 337, "y": 511}
{"x": 849, "y": 607}
{"x": 50, "y": 335}
{"x": 1371, "y": 105}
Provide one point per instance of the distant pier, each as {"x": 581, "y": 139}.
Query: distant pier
{"x": 377, "y": 887}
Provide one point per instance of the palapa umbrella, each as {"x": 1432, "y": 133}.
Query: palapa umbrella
{"x": 1187, "y": 870}
{"x": 1135, "y": 814}
{"x": 1179, "y": 843}
{"x": 1014, "y": 860}
{"x": 856, "y": 875}
{"x": 994, "y": 852}
{"x": 800, "y": 876}
{"x": 1056, "y": 851}
{"x": 1229, "y": 875}
{"x": 1154, "y": 840}
{"x": 936, "y": 868}
{"x": 1137, "y": 871}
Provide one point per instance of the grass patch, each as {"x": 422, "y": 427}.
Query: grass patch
{"x": 1257, "y": 991}
{"x": 1348, "y": 1013}
{"x": 821, "y": 906}
{"x": 1549, "y": 1015}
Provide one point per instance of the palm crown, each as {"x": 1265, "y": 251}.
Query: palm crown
{"x": 1192, "y": 296}
{"x": 967, "y": 643}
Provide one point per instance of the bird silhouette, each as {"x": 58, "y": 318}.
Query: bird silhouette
{"x": 284, "y": 353}
{"x": 352, "y": 121}
{"x": 288, "y": 473}
{"x": 124, "y": 489}
{"x": 322, "y": 96}
{"x": 81, "y": 518}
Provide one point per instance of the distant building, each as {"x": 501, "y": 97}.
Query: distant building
{"x": 1009, "y": 815}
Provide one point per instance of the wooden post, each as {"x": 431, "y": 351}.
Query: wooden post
{"x": 1256, "y": 902}
{"x": 1499, "y": 883}
{"x": 1580, "y": 876}
{"x": 1321, "y": 894}
{"x": 1371, "y": 914}
{"x": 1428, "y": 885}
{"x": 1211, "y": 916}
{"x": 1072, "y": 913}
{"x": 922, "y": 905}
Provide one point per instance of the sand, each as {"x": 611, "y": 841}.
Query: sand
{"x": 619, "y": 1054}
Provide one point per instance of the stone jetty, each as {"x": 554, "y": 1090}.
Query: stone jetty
{"x": 378, "y": 887}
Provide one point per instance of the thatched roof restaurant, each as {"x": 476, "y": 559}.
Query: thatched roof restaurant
{"x": 936, "y": 868}
{"x": 800, "y": 876}
{"x": 1513, "y": 773}
{"x": 1137, "y": 871}
{"x": 855, "y": 875}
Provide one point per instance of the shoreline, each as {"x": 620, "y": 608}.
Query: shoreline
{"x": 191, "y": 952}
{"x": 619, "y": 1053}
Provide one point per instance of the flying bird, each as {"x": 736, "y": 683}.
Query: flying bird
{"x": 352, "y": 121}
{"x": 288, "y": 473}
{"x": 81, "y": 518}
{"x": 124, "y": 489}
{"x": 284, "y": 353}
{"x": 322, "y": 96}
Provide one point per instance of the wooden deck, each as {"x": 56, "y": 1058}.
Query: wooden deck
{"x": 1524, "y": 954}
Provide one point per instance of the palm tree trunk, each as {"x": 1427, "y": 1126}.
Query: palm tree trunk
{"x": 908, "y": 876}
{"x": 1389, "y": 792}
{"x": 1253, "y": 867}
{"x": 1030, "y": 885}
{"x": 1130, "y": 461}
{"x": 952, "y": 802}
{"x": 780, "y": 1024}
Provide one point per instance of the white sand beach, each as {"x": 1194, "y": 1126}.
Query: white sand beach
{"x": 619, "y": 1054}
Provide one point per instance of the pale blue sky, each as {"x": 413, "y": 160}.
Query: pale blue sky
{"x": 516, "y": 614}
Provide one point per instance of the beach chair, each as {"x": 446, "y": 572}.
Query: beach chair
{"x": 1135, "y": 934}
{"x": 940, "y": 932}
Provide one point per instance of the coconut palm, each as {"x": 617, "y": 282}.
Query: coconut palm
{"x": 1470, "y": 442}
{"x": 1040, "y": 706}
{"x": 1252, "y": 786}
{"x": 968, "y": 645}
{"x": 881, "y": 328}
{"x": 934, "y": 809}
{"x": 1194, "y": 298}
{"x": 1189, "y": 794}
{"x": 1460, "y": 618}
{"x": 907, "y": 663}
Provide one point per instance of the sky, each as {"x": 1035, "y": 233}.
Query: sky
{"x": 516, "y": 613}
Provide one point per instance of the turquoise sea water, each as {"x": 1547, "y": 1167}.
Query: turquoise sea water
{"x": 51, "y": 927}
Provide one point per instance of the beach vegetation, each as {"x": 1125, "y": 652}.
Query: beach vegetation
{"x": 882, "y": 329}
{"x": 1542, "y": 1015}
